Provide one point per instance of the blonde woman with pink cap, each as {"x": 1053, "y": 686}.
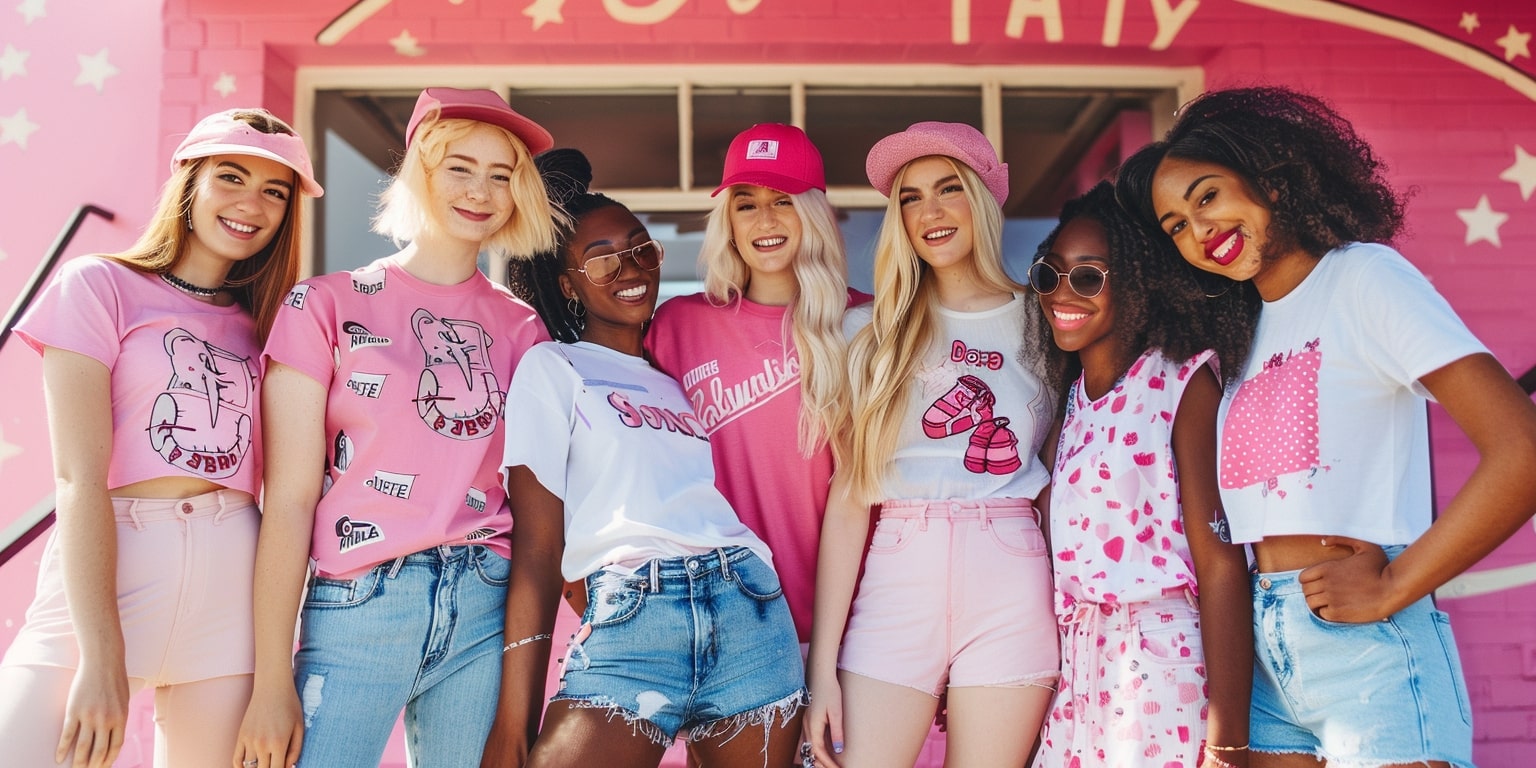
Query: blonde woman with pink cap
{"x": 949, "y": 410}
{"x": 392, "y": 379}
{"x": 761, "y": 352}
{"x": 151, "y": 371}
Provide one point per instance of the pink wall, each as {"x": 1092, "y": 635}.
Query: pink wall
{"x": 1451, "y": 108}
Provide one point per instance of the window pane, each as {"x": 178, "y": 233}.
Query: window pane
{"x": 630, "y": 136}
{"x": 846, "y": 122}
{"x": 721, "y": 113}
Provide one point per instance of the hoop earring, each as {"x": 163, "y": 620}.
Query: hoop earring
{"x": 1204, "y": 281}
{"x": 575, "y": 307}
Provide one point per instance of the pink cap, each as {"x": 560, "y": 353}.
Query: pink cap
{"x": 221, "y": 134}
{"x": 773, "y": 155}
{"x": 955, "y": 140}
{"x": 480, "y": 105}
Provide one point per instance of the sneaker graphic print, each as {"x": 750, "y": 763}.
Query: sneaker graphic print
{"x": 967, "y": 407}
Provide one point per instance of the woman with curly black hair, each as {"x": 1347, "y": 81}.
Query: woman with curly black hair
{"x": 1151, "y": 598}
{"x": 1323, "y": 460}
{"x": 684, "y": 627}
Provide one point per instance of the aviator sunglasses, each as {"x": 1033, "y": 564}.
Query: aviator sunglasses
{"x": 1085, "y": 280}
{"x": 604, "y": 269}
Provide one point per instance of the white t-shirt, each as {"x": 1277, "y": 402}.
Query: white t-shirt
{"x": 977, "y": 412}
{"x": 1327, "y": 433}
{"x": 616, "y": 440}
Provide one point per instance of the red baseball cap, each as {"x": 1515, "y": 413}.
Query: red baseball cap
{"x": 481, "y": 105}
{"x": 221, "y": 134}
{"x": 773, "y": 155}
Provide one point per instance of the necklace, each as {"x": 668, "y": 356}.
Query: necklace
{"x": 182, "y": 285}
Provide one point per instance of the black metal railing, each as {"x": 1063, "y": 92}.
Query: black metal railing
{"x": 35, "y": 521}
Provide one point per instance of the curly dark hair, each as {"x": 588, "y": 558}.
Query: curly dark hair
{"x": 566, "y": 174}
{"x": 1158, "y": 300}
{"x": 1327, "y": 184}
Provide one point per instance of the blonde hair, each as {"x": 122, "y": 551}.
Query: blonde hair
{"x": 884, "y": 356}
{"x": 529, "y": 230}
{"x": 258, "y": 283}
{"x": 815, "y": 316}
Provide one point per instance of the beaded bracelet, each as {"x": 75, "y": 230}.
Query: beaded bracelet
{"x": 527, "y": 640}
{"x": 1226, "y": 749}
{"x": 1212, "y": 760}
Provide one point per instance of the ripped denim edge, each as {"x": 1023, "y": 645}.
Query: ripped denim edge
{"x": 1337, "y": 762}
{"x": 640, "y": 726}
{"x": 730, "y": 727}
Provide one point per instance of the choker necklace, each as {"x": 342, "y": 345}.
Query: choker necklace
{"x": 195, "y": 290}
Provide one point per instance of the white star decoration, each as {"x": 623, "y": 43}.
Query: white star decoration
{"x": 13, "y": 62}
{"x": 1523, "y": 172}
{"x": 16, "y": 128}
{"x": 225, "y": 85}
{"x": 1469, "y": 22}
{"x": 31, "y": 10}
{"x": 2, "y": 258}
{"x": 7, "y": 450}
{"x": 544, "y": 11}
{"x": 1515, "y": 44}
{"x": 1482, "y": 222}
{"x": 94, "y": 70}
{"x": 405, "y": 44}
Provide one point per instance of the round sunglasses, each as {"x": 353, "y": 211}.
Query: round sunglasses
{"x": 1085, "y": 280}
{"x": 604, "y": 269}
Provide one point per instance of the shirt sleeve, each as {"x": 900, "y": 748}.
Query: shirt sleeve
{"x": 78, "y": 312}
{"x": 543, "y": 390}
{"x": 303, "y": 333}
{"x": 1407, "y": 328}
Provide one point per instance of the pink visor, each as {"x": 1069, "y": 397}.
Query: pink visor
{"x": 221, "y": 134}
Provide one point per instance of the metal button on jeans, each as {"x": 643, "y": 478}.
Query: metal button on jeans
{"x": 1265, "y": 583}
{"x": 186, "y": 507}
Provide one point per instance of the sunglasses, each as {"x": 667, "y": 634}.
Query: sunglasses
{"x": 604, "y": 269}
{"x": 1085, "y": 280}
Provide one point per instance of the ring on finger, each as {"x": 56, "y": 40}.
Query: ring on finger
{"x": 251, "y": 763}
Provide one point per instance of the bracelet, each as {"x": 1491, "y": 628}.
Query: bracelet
{"x": 527, "y": 640}
{"x": 1213, "y": 761}
{"x": 1226, "y": 749}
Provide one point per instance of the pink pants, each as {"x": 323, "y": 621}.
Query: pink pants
{"x": 955, "y": 593}
{"x": 184, "y": 578}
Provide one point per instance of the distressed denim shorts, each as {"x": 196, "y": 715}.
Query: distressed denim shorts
{"x": 703, "y": 643}
{"x": 1357, "y": 695}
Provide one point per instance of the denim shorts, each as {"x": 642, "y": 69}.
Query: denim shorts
{"x": 1356, "y": 695}
{"x": 703, "y": 643}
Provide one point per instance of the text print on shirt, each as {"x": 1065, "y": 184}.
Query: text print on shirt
{"x": 717, "y": 403}
{"x": 202, "y": 423}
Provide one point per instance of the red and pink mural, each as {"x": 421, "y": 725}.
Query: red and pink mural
{"x": 93, "y": 95}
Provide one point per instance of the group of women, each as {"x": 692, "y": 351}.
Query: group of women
{"x": 1128, "y": 515}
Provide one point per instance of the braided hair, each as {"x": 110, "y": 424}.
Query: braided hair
{"x": 567, "y": 175}
{"x": 1158, "y": 300}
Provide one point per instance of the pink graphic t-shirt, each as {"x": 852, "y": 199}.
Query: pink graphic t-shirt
{"x": 416, "y": 377}
{"x": 1117, "y": 530}
{"x": 184, "y": 372}
{"x": 741, "y": 372}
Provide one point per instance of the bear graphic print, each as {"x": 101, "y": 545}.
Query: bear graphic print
{"x": 202, "y": 422}
{"x": 458, "y": 395}
{"x": 1271, "y": 426}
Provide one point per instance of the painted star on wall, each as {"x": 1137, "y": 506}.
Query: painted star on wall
{"x": 1515, "y": 43}
{"x": 225, "y": 85}
{"x": 16, "y": 128}
{"x": 1523, "y": 172}
{"x": 32, "y": 10}
{"x": 1469, "y": 22}
{"x": 544, "y": 11}
{"x": 94, "y": 70}
{"x": 405, "y": 44}
{"x": 1482, "y": 222}
{"x": 13, "y": 62}
{"x": 7, "y": 450}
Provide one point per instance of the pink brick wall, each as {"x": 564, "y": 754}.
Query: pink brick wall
{"x": 1447, "y": 130}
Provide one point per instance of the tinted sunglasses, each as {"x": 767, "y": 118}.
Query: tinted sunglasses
{"x": 604, "y": 269}
{"x": 1085, "y": 280}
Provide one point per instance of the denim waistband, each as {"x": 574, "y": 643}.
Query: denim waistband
{"x": 1289, "y": 582}
{"x": 216, "y": 504}
{"x": 433, "y": 556}
{"x": 959, "y": 509}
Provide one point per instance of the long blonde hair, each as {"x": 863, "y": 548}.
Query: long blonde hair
{"x": 815, "y": 316}
{"x": 258, "y": 283}
{"x": 884, "y": 356}
{"x": 529, "y": 230}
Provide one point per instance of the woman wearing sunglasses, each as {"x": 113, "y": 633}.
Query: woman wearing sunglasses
{"x": 949, "y": 411}
{"x": 684, "y": 628}
{"x": 1324, "y": 461}
{"x": 1151, "y": 595}
{"x": 761, "y": 352}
